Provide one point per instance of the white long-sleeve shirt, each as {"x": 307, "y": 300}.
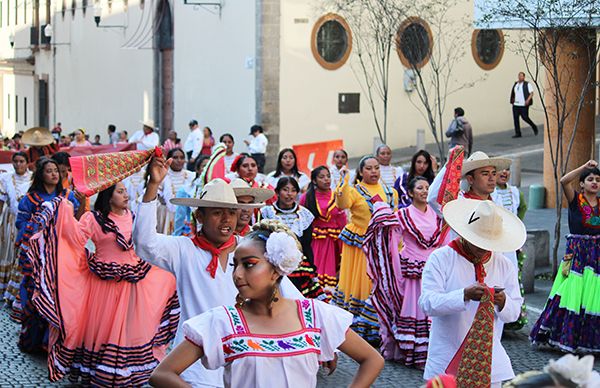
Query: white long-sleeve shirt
{"x": 198, "y": 291}
{"x": 146, "y": 142}
{"x": 193, "y": 142}
{"x": 445, "y": 276}
{"x": 258, "y": 144}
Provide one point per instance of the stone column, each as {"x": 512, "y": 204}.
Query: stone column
{"x": 268, "y": 36}
{"x": 573, "y": 53}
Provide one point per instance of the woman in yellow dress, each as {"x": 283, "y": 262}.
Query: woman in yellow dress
{"x": 354, "y": 286}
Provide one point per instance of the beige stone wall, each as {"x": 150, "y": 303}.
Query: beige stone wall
{"x": 309, "y": 93}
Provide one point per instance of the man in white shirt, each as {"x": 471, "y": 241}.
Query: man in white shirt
{"x": 257, "y": 146}
{"x": 202, "y": 265}
{"x": 145, "y": 138}
{"x": 469, "y": 291}
{"x": 193, "y": 144}
{"x": 521, "y": 98}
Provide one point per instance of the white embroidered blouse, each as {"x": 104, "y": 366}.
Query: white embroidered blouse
{"x": 258, "y": 360}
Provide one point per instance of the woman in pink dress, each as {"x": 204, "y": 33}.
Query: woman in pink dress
{"x": 111, "y": 314}
{"x": 422, "y": 233}
{"x": 80, "y": 140}
{"x": 208, "y": 143}
{"x": 327, "y": 226}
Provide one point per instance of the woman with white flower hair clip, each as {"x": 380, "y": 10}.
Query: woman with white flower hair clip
{"x": 266, "y": 339}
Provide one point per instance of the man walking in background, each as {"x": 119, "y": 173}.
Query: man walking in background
{"x": 521, "y": 98}
{"x": 193, "y": 144}
{"x": 460, "y": 131}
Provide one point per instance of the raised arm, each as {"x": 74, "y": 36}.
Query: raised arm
{"x": 567, "y": 180}
{"x": 343, "y": 193}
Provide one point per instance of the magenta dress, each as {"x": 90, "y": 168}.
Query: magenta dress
{"x": 421, "y": 235}
{"x": 327, "y": 247}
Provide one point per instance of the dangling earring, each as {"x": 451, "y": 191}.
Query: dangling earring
{"x": 274, "y": 297}
{"x": 240, "y": 302}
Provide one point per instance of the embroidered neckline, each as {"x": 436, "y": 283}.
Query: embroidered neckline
{"x": 413, "y": 230}
{"x": 286, "y": 211}
{"x": 364, "y": 192}
{"x": 326, "y": 215}
{"x": 590, "y": 216}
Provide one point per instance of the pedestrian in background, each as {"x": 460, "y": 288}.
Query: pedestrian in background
{"x": 521, "y": 98}
{"x": 172, "y": 141}
{"x": 230, "y": 155}
{"x": 193, "y": 144}
{"x": 123, "y": 138}
{"x": 389, "y": 173}
{"x": 460, "y": 132}
{"x": 145, "y": 138}
{"x": 257, "y": 146}
{"x": 96, "y": 141}
{"x": 80, "y": 139}
{"x": 208, "y": 142}
{"x": 113, "y": 136}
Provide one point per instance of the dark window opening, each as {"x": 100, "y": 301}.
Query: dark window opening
{"x": 349, "y": 103}
{"x": 414, "y": 43}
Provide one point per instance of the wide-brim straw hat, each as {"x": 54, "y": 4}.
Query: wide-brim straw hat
{"x": 241, "y": 188}
{"x": 485, "y": 224}
{"x": 148, "y": 123}
{"x": 37, "y": 137}
{"x": 480, "y": 159}
{"x": 217, "y": 194}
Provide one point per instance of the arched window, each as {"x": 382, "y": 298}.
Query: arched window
{"x": 331, "y": 41}
{"x": 414, "y": 42}
{"x": 487, "y": 47}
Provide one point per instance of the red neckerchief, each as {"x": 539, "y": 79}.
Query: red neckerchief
{"x": 478, "y": 262}
{"x": 470, "y": 195}
{"x": 201, "y": 242}
{"x": 244, "y": 231}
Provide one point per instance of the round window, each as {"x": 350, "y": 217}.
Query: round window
{"x": 414, "y": 42}
{"x": 331, "y": 41}
{"x": 487, "y": 47}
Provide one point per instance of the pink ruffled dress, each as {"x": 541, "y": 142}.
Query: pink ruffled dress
{"x": 111, "y": 314}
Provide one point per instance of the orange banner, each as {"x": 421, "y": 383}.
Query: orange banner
{"x": 312, "y": 155}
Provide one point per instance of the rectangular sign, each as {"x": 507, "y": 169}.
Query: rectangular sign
{"x": 312, "y": 155}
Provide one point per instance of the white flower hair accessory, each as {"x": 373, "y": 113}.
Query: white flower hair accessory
{"x": 577, "y": 370}
{"x": 282, "y": 251}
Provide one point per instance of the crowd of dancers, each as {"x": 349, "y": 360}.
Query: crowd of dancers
{"x": 257, "y": 279}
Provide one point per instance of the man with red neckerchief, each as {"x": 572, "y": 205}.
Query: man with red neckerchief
{"x": 201, "y": 264}
{"x": 470, "y": 290}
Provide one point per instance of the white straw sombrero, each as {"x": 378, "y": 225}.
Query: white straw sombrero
{"x": 216, "y": 193}
{"x": 480, "y": 159}
{"x": 485, "y": 224}
{"x": 242, "y": 189}
{"x": 37, "y": 137}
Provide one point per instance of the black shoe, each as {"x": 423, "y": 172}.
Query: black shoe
{"x": 516, "y": 136}
{"x": 535, "y": 131}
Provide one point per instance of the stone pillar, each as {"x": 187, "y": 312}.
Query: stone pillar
{"x": 268, "y": 37}
{"x": 573, "y": 68}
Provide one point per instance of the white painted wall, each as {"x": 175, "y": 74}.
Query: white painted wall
{"x": 309, "y": 93}
{"x": 213, "y": 82}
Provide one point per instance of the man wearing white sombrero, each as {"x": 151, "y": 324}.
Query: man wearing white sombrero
{"x": 202, "y": 264}
{"x": 470, "y": 290}
{"x": 145, "y": 138}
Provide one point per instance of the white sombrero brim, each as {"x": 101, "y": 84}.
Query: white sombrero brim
{"x": 499, "y": 163}
{"x": 196, "y": 202}
{"x": 511, "y": 238}
{"x": 259, "y": 194}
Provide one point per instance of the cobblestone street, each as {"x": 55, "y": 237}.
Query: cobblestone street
{"x": 22, "y": 370}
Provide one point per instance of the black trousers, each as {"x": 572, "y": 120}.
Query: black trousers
{"x": 522, "y": 112}
{"x": 260, "y": 162}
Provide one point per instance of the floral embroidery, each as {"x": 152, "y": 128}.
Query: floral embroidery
{"x": 244, "y": 344}
{"x": 590, "y": 215}
{"x": 389, "y": 193}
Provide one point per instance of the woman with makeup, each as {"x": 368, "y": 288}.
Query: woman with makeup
{"x": 177, "y": 177}
{"x": 45, "y": 186}
{"x": 111, "y": 314}
{"x": 327, "y": 226}
{"x": 299, "y": 219}
{"x": 422, "y": 164}
{"x": 354, "y": 285}
{"x": 287, "y": 166}
{"x": 265, "y": 339}
{"x": 245, "y": 167}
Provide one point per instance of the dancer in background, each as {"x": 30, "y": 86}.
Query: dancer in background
{"x": 13, "y": 187}
{"x": 208, "y": 142}
{"x": 46, "y": 185}
{"x": 340, "y": 160}
{"x": 230, "y": 155}
{"x": 354, "y": 286}
{"x": 389, "y": 173}
{"x": 570, "y": 318}
{"x": 287, "y": 166}
{"x": 111, "y": 314}
{"x": 326, "y": 228}
{"x": 422, "y": 164}
{"x": 276, "y": 341}
{"x": 246, "y": 168}
{"x": 246, "y": 195}
{"x": 183, "y": 214}
{"x": 299, "y": 219}
{"x": 80, "y": 140}
{"x": 177, "y": 178}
